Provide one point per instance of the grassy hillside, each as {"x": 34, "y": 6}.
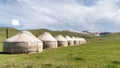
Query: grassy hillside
{"x": 11, "y": 32}
{"x": 99, "y": 52}
{"x": 37, "y": 32}
{"x": 54, "y": 33}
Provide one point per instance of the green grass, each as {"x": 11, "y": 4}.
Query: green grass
{"x": 99, "y": 52}
{"x": 97, "y": 55}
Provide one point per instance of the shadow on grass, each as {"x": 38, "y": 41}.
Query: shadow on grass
{"x": 1, "y": 53}
{"x": 48, "y": 65}
{"x": 11, "y": 53}
{"x": 5, "y": 53}
{"x": 116, "y": 62}
{"x": 75, "y": 57}
{"x": 78, "y": 58}
{"x": 29, "y": 67}
{"x": 113, "y": 64}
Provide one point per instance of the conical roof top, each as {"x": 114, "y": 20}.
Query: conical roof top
{"x": 68, "y": 38}
{"x": 23, "y": 36}
{"x": 60, "y": 38}
{"x": 77, "y": 38}
{"x": 74, "y": 38}
{"x": 82, "y": 39}
{"x": 47, "y": 37}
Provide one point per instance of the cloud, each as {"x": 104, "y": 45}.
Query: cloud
{"x": 15, "y": 22}
{"x": 78, "y": 15}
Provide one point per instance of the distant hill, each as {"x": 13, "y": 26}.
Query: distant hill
{"x": 37, "y": 32}
{"x": 11, "y": 31}
{"x": 64, "y": 33}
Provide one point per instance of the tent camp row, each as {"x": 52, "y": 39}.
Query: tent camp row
{"x": 26, "y": 42}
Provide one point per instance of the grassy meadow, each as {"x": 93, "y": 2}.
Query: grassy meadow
{"x": 99, "y": 52}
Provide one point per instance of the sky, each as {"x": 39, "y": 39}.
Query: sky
{"x": 76, "y": 15}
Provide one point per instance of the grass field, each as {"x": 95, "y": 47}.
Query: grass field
{"x": 99, "y": 52}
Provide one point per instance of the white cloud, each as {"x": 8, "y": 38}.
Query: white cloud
{"x": 15, "y": 22}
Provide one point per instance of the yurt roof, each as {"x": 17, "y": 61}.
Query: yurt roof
{"x": 82, "y": 39}
{"x": 74, "y": 38}
{"x": 60, "y": 38}
{"x": 46, "y": 37}
{"x": 77, "y": 38}
{"x": 23, "y": 36}
{"x": 68, "y": 38}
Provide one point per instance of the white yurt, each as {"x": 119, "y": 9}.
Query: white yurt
{"x": 48, "y": 40}
{"x": 23, "y": 42}
{"x": 70, "y": 40}
{"x": 61, "y": 41}
{"x": 82, "y": 41}
{"x": 76, "y": 41}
